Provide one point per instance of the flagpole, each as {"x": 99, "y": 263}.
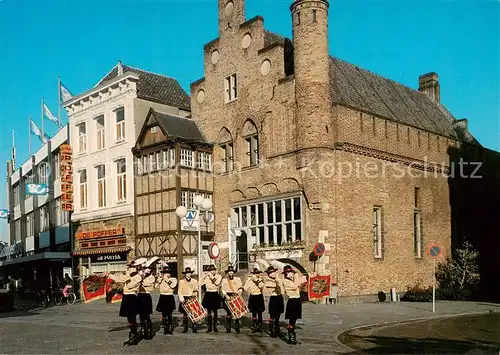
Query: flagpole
{"x": 29, "y": 136}
{"x": 43, "y": 132}
{"x": 59, "y": 101}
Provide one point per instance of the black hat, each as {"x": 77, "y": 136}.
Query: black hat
{"x": 288, "y": 268}
{"x": 230, "y": 268}
{"x": 166, "y": 270}
{"x": 187, "y": 270}
{"x": 212, "y": 267}
{"x": 256, "y": 271}
{"x": 271, "y": 269}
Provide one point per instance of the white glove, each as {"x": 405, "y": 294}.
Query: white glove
{"x": 181, "y": 299}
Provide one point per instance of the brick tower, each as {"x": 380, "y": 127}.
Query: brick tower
{"x": 231, "y": 15}
{"x": 312, "y": 74}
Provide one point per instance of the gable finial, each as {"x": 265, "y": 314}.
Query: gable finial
{"x": 120, "y": 67}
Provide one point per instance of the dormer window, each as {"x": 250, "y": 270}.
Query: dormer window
{"x": 230, "y": 88}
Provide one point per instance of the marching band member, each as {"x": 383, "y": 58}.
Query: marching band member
{"x": 254, "y": 286}
{"x": 166, "y": 303}
{"x": 188, "y": 288}
{"x": 276, "y": 305}
{"x": 128, "y": 308}
{"x": 145, "y": 302}
{"x": 231, "y": 286}
{"x": 292, "y": 284}
{"x": 211, "y": 299}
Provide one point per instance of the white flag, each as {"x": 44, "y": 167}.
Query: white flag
{"x": 65, "y": 93}
{"x": 37, "y": 132}
{"x": 49, "y": 115}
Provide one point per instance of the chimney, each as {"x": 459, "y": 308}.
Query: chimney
{"x": 462, "y": 126}
{"x": 429, "y": 85}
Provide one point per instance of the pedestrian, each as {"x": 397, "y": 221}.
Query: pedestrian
{"x": 293, "y": 311}
{"x": 188, "y": 289}
{"x": 211, "y": 299}
{"x": 128, "y": 308}
{"x": 231, "y": 286}
{"x": 255, "y": 286}
{"x": 166, "y": 303}
{"x": 276, "y": 306}
{"x": 145, "y": 302}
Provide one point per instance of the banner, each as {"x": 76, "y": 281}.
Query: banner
{"x": 319, "y": 286}
{"x": 94, "y": 288}
{"x": 114, "y": 291}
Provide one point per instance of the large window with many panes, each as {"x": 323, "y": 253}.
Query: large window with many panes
{"x": 273, "y": 222}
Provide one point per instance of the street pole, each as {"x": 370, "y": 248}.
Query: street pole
{"x": 200, "y": 267}
{"x": 434, "y": 287}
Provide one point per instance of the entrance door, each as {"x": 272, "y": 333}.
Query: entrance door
{"x": 242, "y": 250}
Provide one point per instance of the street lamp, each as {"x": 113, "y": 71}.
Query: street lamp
{"x": 201, "y": 203}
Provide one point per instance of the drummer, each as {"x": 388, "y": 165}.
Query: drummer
{"x": 128, "y": 308}
{"x": 231, "y": 286}
{"x": 211, "y": 299}
{"x": 292, "y": 284}
{"x": 276, "y": 307}
{"x": 188, "y": 289}
{"x": 166, "y": 303}
{"x": 255, "y": 286}
{"x": 145, "y": 302}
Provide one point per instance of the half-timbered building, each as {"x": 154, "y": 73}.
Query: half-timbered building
{"x": 173, "y": 164}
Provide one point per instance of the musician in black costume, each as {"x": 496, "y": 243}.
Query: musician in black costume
{"x": 166, "y": 303}
{"x": 276, "y": 305}
{"x": 145, "y": 302}
{"x": 255, "y": 286}
{"x": 211, "y": 300}
{"x": 231, "y": 286}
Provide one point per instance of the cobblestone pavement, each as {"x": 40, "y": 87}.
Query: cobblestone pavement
{"x": 96, "y": 328}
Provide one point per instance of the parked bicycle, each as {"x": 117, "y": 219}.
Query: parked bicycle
{"x": 64, "y": 294}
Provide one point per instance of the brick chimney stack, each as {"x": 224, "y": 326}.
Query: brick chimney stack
{"x": 429, "y": 85}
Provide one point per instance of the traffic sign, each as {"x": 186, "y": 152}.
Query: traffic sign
{"x": 319, "y": 249}
{"x": 191, "y": 215}
{"x": 435, "y": 251}
{"x": 190, "y": 222}
{"x": 213, "y": 250}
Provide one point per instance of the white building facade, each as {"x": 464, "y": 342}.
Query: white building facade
{"x": 104, "y": 124}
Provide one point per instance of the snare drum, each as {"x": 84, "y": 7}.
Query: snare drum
{"x": 237, "y": 306}
{"x": 195, "y": 311}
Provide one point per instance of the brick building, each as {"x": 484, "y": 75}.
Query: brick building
{"x": 309, "y": 148}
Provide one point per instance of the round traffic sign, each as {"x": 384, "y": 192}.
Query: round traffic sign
{"x": 319, "y": 249}
{"x": 213, "y": 250}
{"x": 435, "y": 251}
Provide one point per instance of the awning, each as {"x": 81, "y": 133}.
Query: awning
{"x": 52, "y": 256}
{"x": 99, "y": 251}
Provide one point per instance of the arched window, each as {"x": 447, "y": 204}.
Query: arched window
{"x": 227, "y": 152}
{"x": 252, "y": 143}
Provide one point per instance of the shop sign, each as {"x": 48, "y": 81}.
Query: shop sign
{"x": 66, "y": 162}
{"x": 108, "y": 258}
{"x": 101, "y": 234}
{"x": 37, "y": 189}
{"x": 280, "y": 254}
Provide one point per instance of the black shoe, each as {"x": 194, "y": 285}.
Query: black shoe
{"x": 209, "y": 323}
{"x": 193, "y": 327}
{"x": 165, "y": 327}
{"x": 237, "y": 326}
{"x": 272, "y": 332}
{"x": 259, "y": 327}
{"x": 228, "y": 325}
{"x": 149, "y": 330}
{"x": 254, "y": 326}
{"x": 132, "y": 339}
{"x": 185, "y": 325}
{"x": 143, "y": 333}
{"x": 215, "y": 325}
{"x": 170, "y": 327}
{"x": 292, "y": 337}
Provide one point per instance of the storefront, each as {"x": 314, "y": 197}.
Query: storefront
{"x": 101, "y": 251}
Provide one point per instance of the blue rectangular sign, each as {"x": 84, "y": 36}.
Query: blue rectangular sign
{"x": 37, "y": 189}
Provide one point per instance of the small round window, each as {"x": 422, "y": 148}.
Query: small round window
{"x": 247, "y": 40}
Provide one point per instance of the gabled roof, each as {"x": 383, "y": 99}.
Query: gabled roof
{"x": 173, "y": 127}
{"x": 360, "y": 89}
{"x": 154, "y": 87}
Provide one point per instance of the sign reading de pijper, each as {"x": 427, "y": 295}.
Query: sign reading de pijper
{"x": 108, "y": 258}
{"x": 66, "y": 177}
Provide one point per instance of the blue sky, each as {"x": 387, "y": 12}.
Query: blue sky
{"x": 82, "y": 40}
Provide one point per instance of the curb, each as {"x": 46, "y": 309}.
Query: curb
{"x": 347, "y": 348}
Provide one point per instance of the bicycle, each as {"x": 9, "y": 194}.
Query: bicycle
{"x": 59, "y": 297}
{"x": 42, "y": 299}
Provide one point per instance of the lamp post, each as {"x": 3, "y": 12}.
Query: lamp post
{"x": 202, "y": 204}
